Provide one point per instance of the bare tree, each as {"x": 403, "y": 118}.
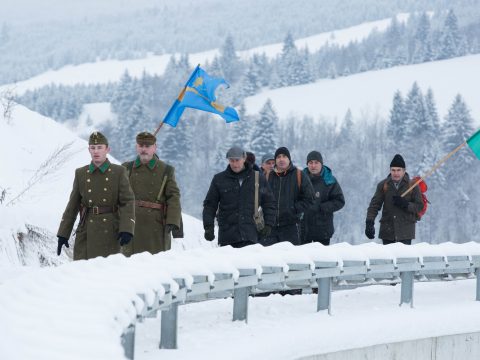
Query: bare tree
{"x": 7, "y": 102}
{"x": 46, "y": 169}
{"x": 3, "y": 194}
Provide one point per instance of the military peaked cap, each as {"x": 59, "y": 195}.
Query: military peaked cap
{"x": 146, "y": 138}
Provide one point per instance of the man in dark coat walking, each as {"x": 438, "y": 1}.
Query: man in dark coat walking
{"x": 399, "y": 214}
{"x": 232, "y": 193}
{"x": 317, "y": 222}
{"x": 293, "y": 192}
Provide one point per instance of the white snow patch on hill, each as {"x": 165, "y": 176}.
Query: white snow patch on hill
{"x": 102, "y": 72}
{"x": 372, "y": 92}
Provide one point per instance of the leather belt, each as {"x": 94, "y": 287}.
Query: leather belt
{"x": 97, "y": 210}
{"x": 150, "y": 205}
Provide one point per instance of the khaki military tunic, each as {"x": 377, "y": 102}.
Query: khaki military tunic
{"x": 99, "y": 188}
{"x": 146, "y": 181}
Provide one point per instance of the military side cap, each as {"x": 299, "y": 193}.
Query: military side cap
{"x": 145, "y": 138}
{"x": 97, "y": 138}
{"x": 235, "y": 153}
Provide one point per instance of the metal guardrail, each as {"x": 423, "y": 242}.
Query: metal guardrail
{"x": 298, "y": 276}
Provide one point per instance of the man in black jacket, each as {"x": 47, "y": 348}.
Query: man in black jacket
{"x": 294, "y": 194}
{"x": 317, "y": 222}
{"x": 232, "y": 192}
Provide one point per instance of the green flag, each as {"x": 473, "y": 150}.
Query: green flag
{"x": 474, "y": 143}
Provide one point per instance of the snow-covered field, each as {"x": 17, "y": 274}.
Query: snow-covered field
{"x": 288, "y": 327}
{"x": 102, "y": 72}
{"x": 79, "y": 310}
{"x": 372, "y": 92}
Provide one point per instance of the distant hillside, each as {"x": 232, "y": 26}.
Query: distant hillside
{"x": 372, "y": 92}
{"x": 102, "y": 72}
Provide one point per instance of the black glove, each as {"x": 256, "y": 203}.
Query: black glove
{"x": 170, "y": 227}
{"x": 265, "y": 231}
{"x": 400, "y": 202}
{"x": 61, "y": 241}
{"x": 124, "y": 238}
{"x": 370, "y": 229}
{"x": 209, "y": 233}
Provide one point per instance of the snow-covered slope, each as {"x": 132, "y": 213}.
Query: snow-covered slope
{"x": 112, "y": 70}
{"x": 372, "y": 91}
{"x": 39, "y": 157}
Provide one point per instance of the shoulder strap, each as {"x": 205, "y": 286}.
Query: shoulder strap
{"x": 255, "y": 208}
{"x": 166, "y": 174}
{"x": 385, "y": 187}
{"x": 129, "y": 168}
{"x": 299, "y": 179}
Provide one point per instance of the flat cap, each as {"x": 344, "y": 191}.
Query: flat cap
{"x": 267, "y": 157}
{"x": 146, "y": 138}
{"x": 97, "y": 138}
{"x": 235, "y": 153}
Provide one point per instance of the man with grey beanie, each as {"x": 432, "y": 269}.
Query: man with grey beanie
{"x": 231, "y": 199}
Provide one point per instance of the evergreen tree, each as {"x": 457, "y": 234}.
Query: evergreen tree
{"x": 450, "y": 40}
{"x": 229, "y": 61}
{"x": 251, "y": 81}
{"x": 422, "y": 44}
{"x": 264, "y": 132}
{"x": 396, "y": 125}
{"x": 458, "y": 127}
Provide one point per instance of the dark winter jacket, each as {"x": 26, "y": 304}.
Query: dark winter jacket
{"x": 291, "y": 200}
{"x": 235, "y": 204}
{"x": 317, "y": 222}
{"x": 396, "y": 223}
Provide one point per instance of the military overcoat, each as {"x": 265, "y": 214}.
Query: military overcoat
{"x": 99, "y": 188}
{"x": 147, "y": 181}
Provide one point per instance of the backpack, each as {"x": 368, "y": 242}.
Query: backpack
{"x": 422, "y": 185}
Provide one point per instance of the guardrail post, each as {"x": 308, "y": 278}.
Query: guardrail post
{"x": 128, "y": 342}
{"x": 169, "y": 327}
{"x": 477, "y": 273}
{"x": 324, "y": 294}
{"x": 240, "y": 304}
{"x": 407, "y": 287}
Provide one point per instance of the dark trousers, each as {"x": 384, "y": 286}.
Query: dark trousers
{"x": 325, "y": 242}
{"x": 406, "y": 242}
{"x": 241, "y": 244}
{"x": 282, "y": 233}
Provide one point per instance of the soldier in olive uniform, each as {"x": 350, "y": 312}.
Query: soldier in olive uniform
{"x": 105, "y": 200}
{"x": 157, "y": 198}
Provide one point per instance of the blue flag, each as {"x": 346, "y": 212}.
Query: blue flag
{"x": 199, "y": 93}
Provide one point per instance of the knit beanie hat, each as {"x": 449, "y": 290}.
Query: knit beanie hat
{"x": 283, "y": 150}
{"x": 314, "y": 155}
{"x": 398, "y": 161}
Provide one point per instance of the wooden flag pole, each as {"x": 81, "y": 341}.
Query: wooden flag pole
{"x": 158, "y": 129}
{"x": 432, "y": 170}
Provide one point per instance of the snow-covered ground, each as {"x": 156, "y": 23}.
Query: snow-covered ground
{"x": 288, "y": 327}
{"x": 102, "y": 72}
{"x": 372, "y": 92}
{"x": 79, "y": 310}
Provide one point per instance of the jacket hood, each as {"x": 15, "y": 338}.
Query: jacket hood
{"x": 325, "y": 174}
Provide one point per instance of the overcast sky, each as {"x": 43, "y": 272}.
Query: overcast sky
{"x": 22, "y": 11}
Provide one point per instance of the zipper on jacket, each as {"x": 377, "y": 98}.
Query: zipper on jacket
{"x": 278, "y": 203}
